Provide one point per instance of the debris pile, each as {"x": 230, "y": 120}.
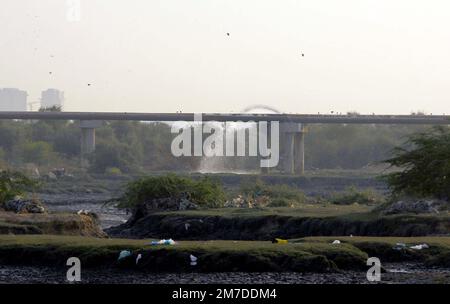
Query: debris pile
{"x": 248, "y": 202}
{"x": 416, "y": 206}
{"x": 21, "y": 205}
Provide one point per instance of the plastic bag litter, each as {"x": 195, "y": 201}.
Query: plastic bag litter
{"x": 123, "y": 254}
{"x": 193, "y": 260}
{"x": 138, "y": 258}
{"x": 399, "y": 246}
{"x": 279, "y": 241}
{"x": 163, "y": 242}
{"x": 187, "y": 226}
{"x": 420, "y": 247}
{"x": 336, "y": 242}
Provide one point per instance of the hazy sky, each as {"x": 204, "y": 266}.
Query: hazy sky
{"x": 382, "y": 56}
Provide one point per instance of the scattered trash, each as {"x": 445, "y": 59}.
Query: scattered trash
{"x": 186, "y": 226}
{"x": 123, "y": 254}
{"x": 279, "y": 241}
{"x": 193, "y": 260}
{"x": 84, "y": 212}
{"x": 138, "y": 258}
{"x": 351, "y": 235}
{"x": 399, "y": 246}
{"x": 336, "y": 242}
{"x": 163, "y": 242}
{"x": 21, "y": 205}
{"x": 420, "y": 247}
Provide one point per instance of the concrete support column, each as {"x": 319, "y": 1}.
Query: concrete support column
{"x": 299, "y": 151}
{"x": 88, "y": 138}
{"x": 288, "y": 131}
{"x": 266, "y": 170}
{"x": 288, "y": 153}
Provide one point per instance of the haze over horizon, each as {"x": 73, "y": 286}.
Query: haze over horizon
{"x": 383, "y": 57}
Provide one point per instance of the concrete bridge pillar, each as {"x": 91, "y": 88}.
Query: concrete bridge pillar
{"x": 88, "y": 135}
{"x": 299, "y": 151}
{"x": 292, "y": 148}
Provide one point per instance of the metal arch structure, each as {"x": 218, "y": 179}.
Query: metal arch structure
{"x": 260, "y": 106}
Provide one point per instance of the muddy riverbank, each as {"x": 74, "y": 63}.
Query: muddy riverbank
{"x": 396, "y": 274}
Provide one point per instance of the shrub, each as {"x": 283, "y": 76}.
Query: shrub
{"x": 353, "y": 195}
{"x": 203, "y": 192}
{"x": 13, "y": 184}
{"x": 280, "y": 195}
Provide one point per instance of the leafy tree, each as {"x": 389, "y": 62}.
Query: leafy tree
{"x": 121, "y": 156}
{"x": 2, "y": 158}
{"x": 38, "y": 152}
{"x": 425, "y": 160}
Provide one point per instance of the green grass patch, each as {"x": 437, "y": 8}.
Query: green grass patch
{"x": 438, "y": 253}
{"x": 303, "y": 210}
{"x": 213, "y": 256}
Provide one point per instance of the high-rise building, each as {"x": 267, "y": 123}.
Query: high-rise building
{"x": 51, "y": 98}
{"x": 12, "y": 99}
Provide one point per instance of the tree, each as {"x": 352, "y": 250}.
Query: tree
{"x": 425, "y": 160}
{"x": 38, "y": 152}
{"x": 118, "y": 155}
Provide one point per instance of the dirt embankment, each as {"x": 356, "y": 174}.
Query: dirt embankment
{"x": 50, "y": 223}
{"x": 267, "y": 227}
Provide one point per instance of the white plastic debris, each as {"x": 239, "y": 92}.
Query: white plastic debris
{"x": 123, "y": 254}
{"x": 399, "y": 246}
{"x": 186, "y": 226}
{"x": 138, "y": 258}
{"x": 336, "y": 242}
{"x": 351, "y": 235}
{"x": 193, "y": 260}
{"x": 164, "y": 242}
{"x": 420, "y": 247}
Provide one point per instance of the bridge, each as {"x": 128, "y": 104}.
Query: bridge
{"x": 295, "y": 118}
{"x": 292, "y": 126}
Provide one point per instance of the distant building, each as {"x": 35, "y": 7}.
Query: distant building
{"x": 12, "y": 99}
{"x": 51, "y": 98}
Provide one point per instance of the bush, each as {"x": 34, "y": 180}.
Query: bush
{"x": 280, "y": 195}
{"x": 203, "y": 192}
{"x": 425, "y": 161}
{"x": 353, "y": 195}
{"x": 13, "y": 184}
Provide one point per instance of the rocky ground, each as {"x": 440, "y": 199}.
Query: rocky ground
{"x": 396, "y": 274}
